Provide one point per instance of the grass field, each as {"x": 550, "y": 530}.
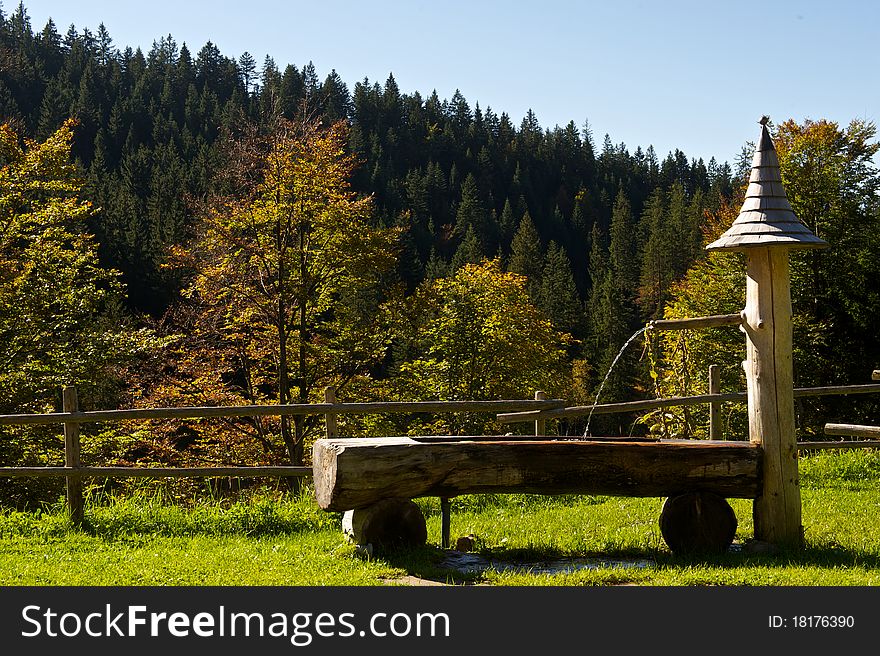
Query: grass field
{"x": 290, "y": 541}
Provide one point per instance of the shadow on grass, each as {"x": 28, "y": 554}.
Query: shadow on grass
{"x": 431, "y": 563}
{"x": 617, "y": 566}
{"x": 138, "y": 518}
{"x": 828, "y": 555}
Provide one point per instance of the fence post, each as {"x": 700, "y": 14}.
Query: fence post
{"x": 540, "y": 423}
{"x": 714, "y": 406}
{"x": 330, "y": 428}
{"x": 70, "y": 403}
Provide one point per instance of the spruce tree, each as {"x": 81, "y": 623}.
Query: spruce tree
{"x": 436, "y": 267}
{"x": 656, "y": 271}
{"x": 471, "y": 213}
{"x": 677, "y": 222}
{"x": 609, "y": 330}
{"x": 558, "y": 297}
{"x": 292, "y": 92}
{"x": 470, "y": 251}
{"x": 623, "y": 249}
{"x": 507, "y": 224}
{"x": 247, "y": 67}
{"x": 526, "y": 255}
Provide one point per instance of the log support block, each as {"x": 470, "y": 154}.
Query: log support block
{"x": 388, "y": 523}
{"x": 697, "y": 522}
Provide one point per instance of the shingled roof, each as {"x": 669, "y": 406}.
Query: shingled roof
{"x": 766, "y": 217}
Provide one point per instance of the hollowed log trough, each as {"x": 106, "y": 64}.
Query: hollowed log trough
{"x": 356, "y": 474}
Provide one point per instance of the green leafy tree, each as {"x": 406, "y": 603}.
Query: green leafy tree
{"x": 679, "y": 360}
{"x": 59, "y": 309}
{"x": 476, "y": 336}
{"x": 61, "y": 318}
{"x": 833, "y": 183}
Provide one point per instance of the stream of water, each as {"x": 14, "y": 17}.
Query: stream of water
{"x": 608, "y": 374}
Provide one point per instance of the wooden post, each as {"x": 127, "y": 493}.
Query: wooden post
{"x": 330, "y": 428}
{"x": 445, "y": 521}
{"x": 70, "y": 403}
{"x": 540, "y": 422}
{"x": 714, "y": 406}
{"x": 768, "y": 369}
{"x": 875, "y": 375}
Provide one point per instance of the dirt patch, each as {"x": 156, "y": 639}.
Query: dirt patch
{"x": 411, "y": 580}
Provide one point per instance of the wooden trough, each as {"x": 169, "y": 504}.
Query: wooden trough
{"x": 363, "y": 476}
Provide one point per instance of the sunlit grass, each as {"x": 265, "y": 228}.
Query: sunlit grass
{"x": 280, "y": 540}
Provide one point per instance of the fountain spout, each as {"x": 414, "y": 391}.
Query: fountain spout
{"x": 611, "y": 368}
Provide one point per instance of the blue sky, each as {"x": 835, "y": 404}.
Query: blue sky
{"x": 673, "y": 74}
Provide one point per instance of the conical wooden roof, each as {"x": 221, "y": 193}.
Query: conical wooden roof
{"x": 766, "y": 217}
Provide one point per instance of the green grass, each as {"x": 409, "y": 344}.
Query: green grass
{"x": 289, "y": 541}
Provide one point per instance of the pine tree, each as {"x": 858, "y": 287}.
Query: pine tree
{"x": 657, "y": 257}
{"x": 470, "y": 251}
{"x": 471, "y": 213}
{"x": 247, "y": 67}
{"x": 623, "y": 249}
{"x": 526, "y": 255}
{"x": 558, "y": 297}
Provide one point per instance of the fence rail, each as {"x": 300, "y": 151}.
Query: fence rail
{"x": 674, "y": 401}
{"x": 154, "y": 472}
{"x": 204, "y": 412}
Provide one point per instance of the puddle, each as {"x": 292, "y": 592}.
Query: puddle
{"x": 468, "y": 563}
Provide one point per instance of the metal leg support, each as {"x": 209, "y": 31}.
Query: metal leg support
{"x": 445, "y": 509}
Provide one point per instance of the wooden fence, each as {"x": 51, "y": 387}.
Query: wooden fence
{"x": 72, "y": 417}
{"x": 537, "y": 410}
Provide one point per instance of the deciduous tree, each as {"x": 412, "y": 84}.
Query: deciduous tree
{"x": 288, "y": 277}
{"x": 476, "y": 336}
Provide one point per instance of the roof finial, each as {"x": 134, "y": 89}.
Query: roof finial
{"x": 766, "y": 217}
